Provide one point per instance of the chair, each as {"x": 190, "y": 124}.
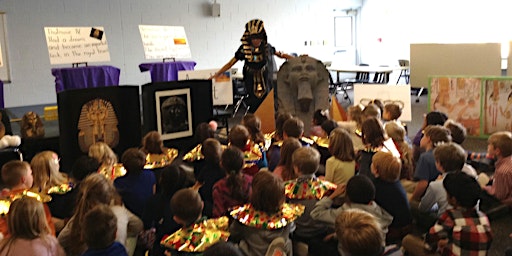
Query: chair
{"x": 381, "y": 78}
{"x": 361, "y": 77}
{"x": 222, "y": 115}
{"x": 239, "y": 95}
{"x": 334, "y": 87}
{"x": 404, "y": 72}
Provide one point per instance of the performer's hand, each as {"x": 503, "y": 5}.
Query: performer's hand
{"x": 215, "y": 75}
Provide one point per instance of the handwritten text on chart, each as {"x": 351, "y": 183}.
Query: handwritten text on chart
{"x": 74, "y": 44}
{"x": 164, "y": 42}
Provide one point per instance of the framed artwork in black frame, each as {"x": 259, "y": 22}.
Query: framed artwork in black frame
{"x": 200, "y": 102}
{"x": 174, "y": 113}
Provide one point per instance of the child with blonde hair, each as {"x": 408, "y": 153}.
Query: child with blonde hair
{"x": 45, "y": 169}
{"x": 109, "y": 167}
{"x": 500, "y": 146}
{"x": 29, "y": 231}
{"x": 397, "y": 133}
{"x": 307, "y": 189}
{"x": 353, "y": 125}
{"x": 390, "y": 194}
{"x": 49, "y": 180}
{"x": 341, "y": 166}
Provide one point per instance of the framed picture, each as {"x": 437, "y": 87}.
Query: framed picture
{"x": 174, "y": 113}
{"x": 497, "y": 105}
{"x": 459, "y": 99}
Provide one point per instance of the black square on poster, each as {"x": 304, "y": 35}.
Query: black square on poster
{"x": 108, "y": 114}
{"x": 195, "y": 95}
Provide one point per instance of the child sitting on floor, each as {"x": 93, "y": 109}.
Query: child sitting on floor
{"x": 265, "y": 219}
{"x": 18, "y": 179}
{"x": 235, "y": 188}
{"x": 360, "y": 194}
{"x": 29, "y": 231}
{"x": 196, "y": 234}
{"x": 500, "y": 146}
{"x": 426, "y": 170}
{"x": 307, "y": 189}
{"x": 390, "y": 194}
{"x": 99, "y": 230}
{"x": 462, "y": 230}
{"x": 359, "y": 233}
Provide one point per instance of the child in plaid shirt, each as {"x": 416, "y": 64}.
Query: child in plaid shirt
{"x": 462, "y": 230}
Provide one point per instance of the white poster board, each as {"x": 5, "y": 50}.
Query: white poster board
{"x": 164, "y": 42}
{"x": 400, "y": 94}
{"x": 76, "y": 44}
{"x": 222, "y": 87}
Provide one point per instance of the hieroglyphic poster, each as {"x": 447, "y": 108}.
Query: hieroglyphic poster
{"x": 497, "y": 105}
{"x": 459, "y": 99}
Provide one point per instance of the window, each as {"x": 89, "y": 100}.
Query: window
{"x": 343, "y": 34}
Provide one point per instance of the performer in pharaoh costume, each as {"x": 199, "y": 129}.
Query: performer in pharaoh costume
{"x": 259, "y": 63}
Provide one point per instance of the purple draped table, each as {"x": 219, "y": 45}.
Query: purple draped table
{"x": 85, "y": 77}
{"x": 166, "y": 71}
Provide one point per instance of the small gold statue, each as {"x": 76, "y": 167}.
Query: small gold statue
{"x": 32, "y": 126}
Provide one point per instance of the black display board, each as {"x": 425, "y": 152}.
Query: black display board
{"x": 199, "y": 101}
{"x": 124, "y": 101}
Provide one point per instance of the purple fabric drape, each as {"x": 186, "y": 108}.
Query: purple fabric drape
{"x": 85, "y": 77}
{"x": 166, "y": 71}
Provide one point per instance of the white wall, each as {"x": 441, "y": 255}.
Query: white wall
{"x": 401, "y": 22}
{"x": 213, "y": 40}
